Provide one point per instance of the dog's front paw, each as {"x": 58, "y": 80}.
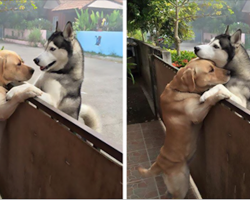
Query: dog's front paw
{"x": 10, "y": 94}
{"x": 212, "y": 91}
{"x": 204, "y": 96}
{"x": 223, "y": 95}
{"x": 23, "y": 92}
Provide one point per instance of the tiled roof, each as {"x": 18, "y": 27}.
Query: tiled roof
{"x": 119, "y": 1}
{"x": 105, "y": 4}
{"x": 68, "y": 5}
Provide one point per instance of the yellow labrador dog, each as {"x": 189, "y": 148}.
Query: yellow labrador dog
{"x": 183, "y": 113}
{"x": 13, "y": 69}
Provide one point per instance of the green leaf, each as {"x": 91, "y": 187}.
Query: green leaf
{"x": 34, "y": 6}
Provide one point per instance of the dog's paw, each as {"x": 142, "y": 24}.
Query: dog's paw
{"x": 30, "y": 92}
{"x": 213, "y": 91}
{"x": 23, "y": 92}
{"x": 205, "y": 96}
{"x": 10, "y": 94}
{"x": 223, "y": 95}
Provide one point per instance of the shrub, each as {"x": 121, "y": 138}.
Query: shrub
{"x": 114, "y": 21}
{"x": 183, "y": 59}
{"x": 89, "y": 22}
{"x": 137, "y": 34}
{"x": 35, "y": 36}
{"x": 83, "y": 21}
{"x": 41, "y": 24}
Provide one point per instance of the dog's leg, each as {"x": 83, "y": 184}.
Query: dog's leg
{"x": 200, "y": 110}
{"x": 23, "y": 92}
{"x": 152, "y": 171}
{"x": 224, "y": 90}
{"x": 177, "y": 182}
{"x": 48, "y": 99}
{"x": 15, "y": 96}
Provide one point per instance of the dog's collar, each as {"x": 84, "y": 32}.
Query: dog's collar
{"x": 62, "y": 71}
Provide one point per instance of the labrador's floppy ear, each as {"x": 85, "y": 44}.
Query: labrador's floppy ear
{"x": 2, "y": 64}
{"x": 188, "y": 79}
{"x": 236, "y": 38}
{"x": 68, "y": 31}
{"x": 194, "y": 59}
{"x": 2, "y": 69}
{"x": 227, "y": 30}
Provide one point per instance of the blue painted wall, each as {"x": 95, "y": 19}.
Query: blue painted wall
{"x": 104, "y": 42}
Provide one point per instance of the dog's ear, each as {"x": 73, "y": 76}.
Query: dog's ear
{"x": 236, "y": 38}
{"x": 227, "y": 30}
{"x": 194, "y": 59}
{"x": 57, "y": 28}
{"x": 188, "y": 79}
{"x": 2, "y": 63}
{"x": 2, "y": 68}
{"x": 68, "y": 31}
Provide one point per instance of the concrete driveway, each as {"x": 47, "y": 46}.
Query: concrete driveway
{"x": 102, "y": 87}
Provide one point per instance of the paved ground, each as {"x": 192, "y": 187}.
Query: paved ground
{"x": 102, "y": 87}
{"x": 144, "y": 141}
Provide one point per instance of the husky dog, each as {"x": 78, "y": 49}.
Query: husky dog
{"x": 228, "y": 53}
{"x": 63, "y": 65}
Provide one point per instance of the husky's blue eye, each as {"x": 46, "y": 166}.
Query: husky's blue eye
{"x": 216, "y": 46}
{"x": 52, "y": 49}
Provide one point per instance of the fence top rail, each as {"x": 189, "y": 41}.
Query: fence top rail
{"x": 149, "y": 45}
{"x": 245, "y": 113}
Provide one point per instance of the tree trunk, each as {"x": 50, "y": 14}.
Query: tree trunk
{"x": 176, "y": 30}
{"x": 142, "y": 36}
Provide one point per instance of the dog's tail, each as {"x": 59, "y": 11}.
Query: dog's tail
{"x": 152, "y": 171}
{"x": 90, "y": 117}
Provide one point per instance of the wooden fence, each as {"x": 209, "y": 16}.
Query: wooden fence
{"x": 43, "y": 155}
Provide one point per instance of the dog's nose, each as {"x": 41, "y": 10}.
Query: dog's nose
{"x": 32, "y": 71}
{"x": 228, "y": 72}
{"x": 196, "y": 49}
{"x": 36, "y": 60}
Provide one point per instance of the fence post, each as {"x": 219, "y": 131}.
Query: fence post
{"x": 153, "y": 80}
{"x": 166, "y": 56}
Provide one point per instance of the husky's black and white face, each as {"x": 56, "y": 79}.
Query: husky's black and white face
{"x": 58, "y": 50}
{"x": 220, "y": 49}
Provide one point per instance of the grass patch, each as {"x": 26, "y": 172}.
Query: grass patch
{"x": 101, "y": 54}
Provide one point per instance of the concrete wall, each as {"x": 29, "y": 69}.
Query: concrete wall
{"x": 22, "y": 42}
{"x": 21, "y": 34}
{"x": 107, "y": 43}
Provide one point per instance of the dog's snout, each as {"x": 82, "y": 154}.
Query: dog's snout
{"x": 196, "y": 49}
{"x": 36, "y": 60}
